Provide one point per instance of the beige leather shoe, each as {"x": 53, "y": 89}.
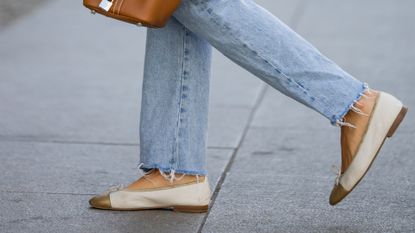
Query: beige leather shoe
{"x": 190, "y": 193}
{"x": 371, "y": 120}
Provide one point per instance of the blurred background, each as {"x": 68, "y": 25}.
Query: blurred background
{"x": 11, "y": 10}
{"x": 70, "y": 92}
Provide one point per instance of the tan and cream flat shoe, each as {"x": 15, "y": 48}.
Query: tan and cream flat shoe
{"x": 375, "y": 117}
{"x": 191, "y": 193}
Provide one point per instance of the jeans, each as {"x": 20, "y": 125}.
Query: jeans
{"x": 175, "y": 91}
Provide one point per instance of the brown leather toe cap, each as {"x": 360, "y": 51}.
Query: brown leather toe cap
{"x": 100, "y": 202}
{"x": 337, "y": 194}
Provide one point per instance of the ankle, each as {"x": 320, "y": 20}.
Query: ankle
{"x": 180, "y": 177}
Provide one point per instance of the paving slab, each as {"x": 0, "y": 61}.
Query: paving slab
{"x": 291, "y": 148}
{"x": 38, "y": 212}
{"x": 287, "y": 153}
{"x": 374, "y": 45}
{"x": 78, "y": 168}
{"x": 49, "y": 186}
{"x": 280, "y": 181}
{"x": 291, "y": 206}
{"x": 59, "y": 86}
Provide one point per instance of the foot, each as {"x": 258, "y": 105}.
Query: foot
{"x": 187, "y": 193}
{"x": 365, "y": 127}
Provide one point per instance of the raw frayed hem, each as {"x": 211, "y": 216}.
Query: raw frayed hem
{"x": 169, "y": 173}
{"x": 354, "y": 106}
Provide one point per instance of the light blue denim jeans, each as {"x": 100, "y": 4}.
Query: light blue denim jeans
{"x": 175, "y": 94}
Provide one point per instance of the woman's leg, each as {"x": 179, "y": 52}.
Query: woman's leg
{"x": 175, "y": 95}
{"x": 258, "y": 41}
{"x": 254, "y": 38}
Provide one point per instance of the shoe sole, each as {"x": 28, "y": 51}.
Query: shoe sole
{"x": 178, "y": 208}
{"x": 399, "y": 118}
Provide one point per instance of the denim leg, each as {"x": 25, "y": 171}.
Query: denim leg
{"x": 175, "y": 100}
{"x": 258, "y": 41}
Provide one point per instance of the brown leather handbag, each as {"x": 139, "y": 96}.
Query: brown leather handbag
{"x": 147, "y": 13}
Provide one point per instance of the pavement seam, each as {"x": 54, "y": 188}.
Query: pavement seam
{"x": 259, "y": 99}
{"x": 11, "y": 139}
{"x": 295, "y": 20}
{"x": 54, "y": 193}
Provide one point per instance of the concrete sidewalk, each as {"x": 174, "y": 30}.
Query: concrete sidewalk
{"x": 69, "y": 115}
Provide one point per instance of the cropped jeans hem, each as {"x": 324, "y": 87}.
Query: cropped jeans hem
{"x": 339, "y": 119}
{"x": 148, "y": 167}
